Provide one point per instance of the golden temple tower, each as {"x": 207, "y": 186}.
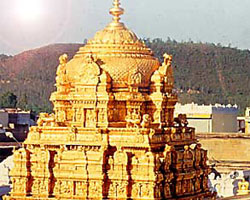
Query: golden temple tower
{"x": 112, "y": 134}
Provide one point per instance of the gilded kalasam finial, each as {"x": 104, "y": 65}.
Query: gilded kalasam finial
{"x": 116, "y": 11}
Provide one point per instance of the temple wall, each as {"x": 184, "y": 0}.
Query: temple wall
{"x": 229, "y": 152}
{"x": 226, "y": 146}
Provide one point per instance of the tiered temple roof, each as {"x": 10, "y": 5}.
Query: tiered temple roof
{"x": 112, "y": 134}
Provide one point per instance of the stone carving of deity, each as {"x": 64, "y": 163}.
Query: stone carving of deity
{"x": 158, "y": 190}
{"x": 167, "y": 59}
{"x": 111, "y": 163}
{"x": 135, "y": 164}
{"x": 23, "y": 184}
{"x": 187, "y": 157}
{"x": 145, "y": 191}
{"x": 121, "y": 190}
{"x": 197, "y": 151}
{"x": 169, "y": 79}
{"x": 205, "y": 182}
{"x": 166, "y": 69}
{"x": 146, "y": 121}
{"x": 57, "y": 187}
{"x": 190, "y": 186}
{"x": 157, "y": 116}
{"x": 80, "y": 189}
{"x": 90, "y": 118}
{"x": 110, "y": 114}
{"x": 178, "y": 187}
{"x": 61, "y": 78}
{"x": 14, "y": 184}
{"x": 157, "y": 163}
{"x": 79, "y": 112}
{"x": 197, "y": 184}
{"x": 168, "y": 158}
{"x": 101, "y": 115}
{"x": 112, "y": 190}
{"x": 135, "y": 190}
{"x": 136, "y": 78}
{"x": 44, "y": 186}
{"x": 44, "y": 157}
{"x": 90, "y": 71}
{"x": 65, "y": 187}
{"x": 167, "y": 191}
{"x": 61, "y": 115}
{"x": 133, "y": 118}
{"x": 204, "y": 158}
{"x": 120, "y": 160}
{"x": 184, "y": 186}
{"x": 95, "y": 188}
{"x": 36, "y": 185}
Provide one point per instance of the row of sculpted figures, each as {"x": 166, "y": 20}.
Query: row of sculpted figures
{"x": 113, "y": 107}
{"x": 162, "y": 77}
{"x": 116, "y": 173}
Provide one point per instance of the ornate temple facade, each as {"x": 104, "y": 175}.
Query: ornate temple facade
{"x": 112, "y": 134}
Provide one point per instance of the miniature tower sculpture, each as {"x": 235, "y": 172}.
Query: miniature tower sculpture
{"x": 243, "y": 187}
{"x": 112, "y": 134}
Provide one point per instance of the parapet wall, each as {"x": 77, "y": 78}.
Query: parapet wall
{"x": 192, "y": 109}
{"x": 230, "y": 151}
{"x": 229, "y": 154}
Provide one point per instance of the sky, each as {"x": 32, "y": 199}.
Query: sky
{"x": 28, "y": 24}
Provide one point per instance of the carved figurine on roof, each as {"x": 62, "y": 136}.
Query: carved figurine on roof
{"x": 61, "y": 76}
{"x": 90, "y": 71}
{"x": 167, "y": 71}
{"x": 162, "y": 95}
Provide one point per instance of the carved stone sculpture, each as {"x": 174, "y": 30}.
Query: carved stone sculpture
{"x": 243, "y": 187}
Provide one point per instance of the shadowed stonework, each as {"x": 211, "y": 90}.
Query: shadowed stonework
{"x": 112, "y": 134}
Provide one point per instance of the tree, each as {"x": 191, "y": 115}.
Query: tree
{"x": 23, "y": 102}
{"x": 8, "y": 100}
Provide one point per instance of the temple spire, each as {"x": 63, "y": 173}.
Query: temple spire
{"x": 116, "y": 11}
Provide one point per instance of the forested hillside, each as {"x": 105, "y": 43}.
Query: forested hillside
{"x": 31, "y": 76}
{"x": 204, "y": 73}
{"x": 208, "y": 73}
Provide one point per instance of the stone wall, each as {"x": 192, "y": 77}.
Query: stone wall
{"x": 229, "y": 152}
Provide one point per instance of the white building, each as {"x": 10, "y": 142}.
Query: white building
{"x": 210, "y": 118}
{"x": 247, "y": 120}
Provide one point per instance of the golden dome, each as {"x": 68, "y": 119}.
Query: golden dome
{"x": 120, "y": 51}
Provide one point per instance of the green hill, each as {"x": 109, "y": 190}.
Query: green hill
{"x": 204, "y": 73}
{"x": 208, "y": 73}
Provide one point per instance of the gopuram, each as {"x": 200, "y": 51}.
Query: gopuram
{"x": 112, "y": 134}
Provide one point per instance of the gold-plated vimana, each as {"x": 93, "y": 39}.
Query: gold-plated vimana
{"x": 112, "y": 134}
